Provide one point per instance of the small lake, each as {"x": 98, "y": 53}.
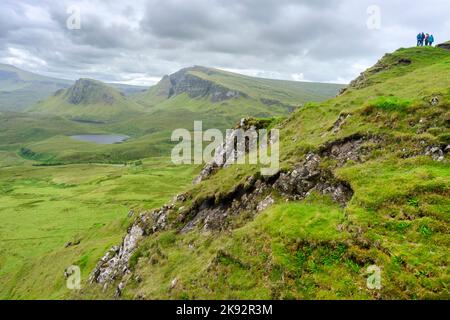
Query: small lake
{"x": 101, "y": 138}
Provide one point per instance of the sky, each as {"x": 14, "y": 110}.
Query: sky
{"x": 139, "y": 41}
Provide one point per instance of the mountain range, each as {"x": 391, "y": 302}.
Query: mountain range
{"x": 20, "y": 89}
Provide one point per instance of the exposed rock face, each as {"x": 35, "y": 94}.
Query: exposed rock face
{"x": 86, "y": 91}
{"x": 184, "y": 81}
{"x": 114, "y": 265}
{"x": 228, "y": 152}
{"x": 211, "y": 215}
{"x": 445, "y": 45}
{"x": 362, "y": 81}
{"x": 340, "y": 122}
{"x": 272, "y": 102}
{"x": 307, "y": 177}
{"x": 253, "y": 197}
{"x": 437, "y": 153}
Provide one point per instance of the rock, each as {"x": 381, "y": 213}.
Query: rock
{"x": 119, "y": 289}
{"x": 340, "y": 122}
{"x": 185, "y": 81}
{"x": 115, "y": 263}
{"x": 173, "y": 283}
{"x": 434, "y": 101}
{"x": 83, "y": 91}
{"x": 436, "y": 153}
{"x": 212, "y": 214}
{"x": 228, "y": 153}
{"x": 71, "y": 244}
{"x": 445, "y": 45}
{"x": 263, "y": 205}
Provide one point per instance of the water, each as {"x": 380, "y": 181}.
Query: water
{"x": 101, "y": 138}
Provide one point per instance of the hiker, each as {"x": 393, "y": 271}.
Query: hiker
{"x": 427, "y": 36}
{"x": 419, "y": 40}
{"x": 430, "y": 40}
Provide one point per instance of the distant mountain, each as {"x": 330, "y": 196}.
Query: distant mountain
{"x": 90, "y": 101}
{"x": 20, "y": 89}
{"x": 218, "y": 86}
{"x": 218, "y": 98}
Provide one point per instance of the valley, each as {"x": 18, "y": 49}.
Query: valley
{"x": 67, "y": 186}
{"x": 363, "y": 183}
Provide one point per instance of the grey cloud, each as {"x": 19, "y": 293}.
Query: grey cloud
{"x": 324, "y": 40}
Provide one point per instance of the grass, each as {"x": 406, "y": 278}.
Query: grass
{"x": 272, "y": 257}
{"x": 43, "y": 208}
{"x": 312, "y": 249}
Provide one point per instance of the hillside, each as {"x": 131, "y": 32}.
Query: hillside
{"x": 364, "y": 184}
{"x": 218, "y": 86}
{"x": 20, "y": 89}
{"x": 176, "y": 102}
{"x": 89, "y": 101}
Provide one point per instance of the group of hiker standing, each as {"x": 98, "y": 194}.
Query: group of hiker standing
{"x": 424, "y": 39}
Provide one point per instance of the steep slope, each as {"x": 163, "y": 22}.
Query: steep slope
{"x": 219, "y": 86}
{"x": 176, "y": 102}
{"x": 20, "y": 89}
{"x": 89, "y": 100}
{"x": 363, "y": 188}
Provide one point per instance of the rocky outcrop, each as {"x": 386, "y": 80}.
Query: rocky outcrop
{"x": 363, "y": 80}
{"x": 307, "y": 177}
{"x": 437, "y": 153}
{"x": 272, "y": 102}
{"x": 340, "y": 122}
{"x": 229, "y": 151}
{"x": 255, "y": 195}
{"x": 87, "y": 91}
{"x": 115, "y": 263}
{"x": 445, "y": 45}
{"x": 215, "y": 213}
{"x": 186, "y": 81}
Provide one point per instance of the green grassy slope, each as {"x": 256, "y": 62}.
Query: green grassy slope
{"x": 44, "y": 208}
{"x": 150, "y": 120}
{"x": 89, "y": 100}
{"x": 398, "y": 218}
{"x": 270, "y": 91}
{"x": 289, "y": 92}
{"x": 20, "y": 89}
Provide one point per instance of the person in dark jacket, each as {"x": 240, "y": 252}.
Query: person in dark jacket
{"x": 427, "y": 36}
{"x": 420, "y": 40}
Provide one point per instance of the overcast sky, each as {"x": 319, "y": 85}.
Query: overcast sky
{"x": 139, "y": 42}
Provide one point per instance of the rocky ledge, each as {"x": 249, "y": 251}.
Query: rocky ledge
{"x": 256, "y": 195}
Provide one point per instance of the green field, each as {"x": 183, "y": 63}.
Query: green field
{"x": 44, "y": 208}
{"x": 398, "y": 218}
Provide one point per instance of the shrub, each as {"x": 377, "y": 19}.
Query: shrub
{"x": 390, "y": 104}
